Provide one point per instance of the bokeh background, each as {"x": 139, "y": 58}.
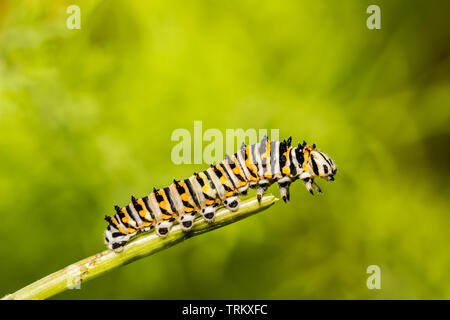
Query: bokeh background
{"x": 86, "y": 118}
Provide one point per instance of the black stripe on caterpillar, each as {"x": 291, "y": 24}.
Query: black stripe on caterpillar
{"x": 252, "y": 166}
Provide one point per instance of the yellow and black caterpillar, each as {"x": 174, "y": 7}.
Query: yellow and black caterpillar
{"x": 255, "y": 166}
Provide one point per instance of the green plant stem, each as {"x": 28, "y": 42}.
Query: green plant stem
{"x": 145, "y": 245}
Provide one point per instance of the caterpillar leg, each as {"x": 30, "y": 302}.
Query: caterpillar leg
{"x": 209, "y": 213}
{"x": 117, "y": 246}
{"x": 316, "y": 187}
{"x": 232, "y": 203}
{"x": 309, "y": 185}
{"x": 309, "y": 182}
{"x": 163, "y": 228}
{"x": 284, "y": 184}
{"x": 187, "y": 221}
{"x": 262, "y": 187}
{"x": 114, "y": 239}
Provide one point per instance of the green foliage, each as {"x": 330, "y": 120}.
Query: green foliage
{"x": 86, "y": 118}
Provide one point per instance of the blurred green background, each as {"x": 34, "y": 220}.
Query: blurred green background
{"x": 86, "y": 118}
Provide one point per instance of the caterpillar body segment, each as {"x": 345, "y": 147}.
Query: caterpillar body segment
{"x": 252, "y": 166}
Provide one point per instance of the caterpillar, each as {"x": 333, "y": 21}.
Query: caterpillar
{"x": 252, "y": 166}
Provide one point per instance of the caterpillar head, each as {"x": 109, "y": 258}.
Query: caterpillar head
{"x": 317, "y": 163}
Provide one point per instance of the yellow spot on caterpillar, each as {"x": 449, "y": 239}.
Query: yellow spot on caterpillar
{"x": 208, "y": 202}
{"x": 307, "y": 151}
{"x": 142, "y": 213}
{"x": 267, "y": 153}
{"x": 286, "y": 170}
{"x": 184, "y": 196}
{"x": 229, "y": 194}
{"x": 187, "y": 209}
{"x": 127, "y": 218}
{"x": 236, "y": 170}
{"x": 286, "y": 154}
{"x": 223, "y": 179}
{"x": 205, "y": 188}
{"x": 166, "y": 216}
{"x": 146, "y": 224}
{"x": 251, "y": 167}
{"x": 131, "y": 230}
{"x": 163, "y": 205}
{"x": 117, "y": 225}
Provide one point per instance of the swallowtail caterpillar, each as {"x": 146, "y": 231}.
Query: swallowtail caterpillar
{"x": 252, "y": 166}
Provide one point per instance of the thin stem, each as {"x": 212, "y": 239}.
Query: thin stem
{"x": 144, "y": 245}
